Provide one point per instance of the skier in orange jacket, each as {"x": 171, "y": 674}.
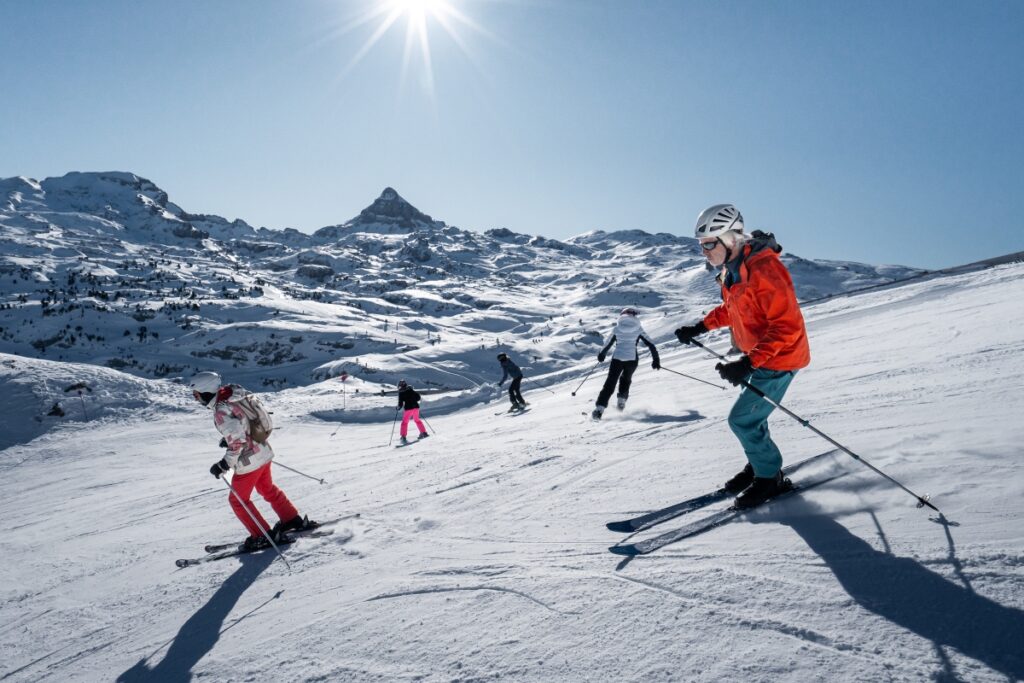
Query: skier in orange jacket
{"x": 759, "y": 306}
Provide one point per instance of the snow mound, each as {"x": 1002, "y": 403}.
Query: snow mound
{"x": 39, "y": 395}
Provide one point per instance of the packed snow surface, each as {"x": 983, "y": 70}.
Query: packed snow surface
{"x": 481, "y": 553}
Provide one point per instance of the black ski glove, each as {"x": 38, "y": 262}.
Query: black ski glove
{"x": 218, "y": 468}
{"x": 600, "y": 357}
{"x": 736, "y": 371}
{"x": 656, "y": 364}
{"x": 223, "y": 443}
{"x": 687, "y": 333}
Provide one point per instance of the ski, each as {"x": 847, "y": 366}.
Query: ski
{"x": 512, "y": 412}
{"x": 218, "y": 547}
{"x": 710, "y": 522}
{"x": 647, "y": 520}
{"x": 237, "y": 551}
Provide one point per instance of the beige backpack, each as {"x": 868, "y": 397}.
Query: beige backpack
{"x": 260, "y": 424}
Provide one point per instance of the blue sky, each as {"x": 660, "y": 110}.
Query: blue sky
{"x": 884, "y": 132}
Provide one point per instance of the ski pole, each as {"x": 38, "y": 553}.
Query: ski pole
{"x": 281, "y": 464}
{"x": 695, "y": 379}
{"x": 254, "y": 521}
{"x": 432, "y": 430}
{"x": 587, "y": 377}
{"x": 921, "y": 500}
{"x": 392, "y": 437}
{"x": 539, "y": 386}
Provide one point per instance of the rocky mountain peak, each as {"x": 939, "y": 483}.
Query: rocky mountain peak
{"x": 391, "y": 208}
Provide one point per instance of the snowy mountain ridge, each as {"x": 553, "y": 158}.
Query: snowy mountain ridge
{"x": 104, "y": 268}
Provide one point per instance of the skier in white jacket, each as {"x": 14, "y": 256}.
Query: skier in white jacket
{"x": 249, "y": 458}
{"x": 628, "y": 333}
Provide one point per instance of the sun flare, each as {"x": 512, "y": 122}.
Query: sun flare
{"x": 419, "y": 6}
{"x": 419, "y": 17}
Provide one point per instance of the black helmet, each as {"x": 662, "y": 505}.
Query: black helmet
{"x": 502, "y": 356}
{"x": 628, "y": 311}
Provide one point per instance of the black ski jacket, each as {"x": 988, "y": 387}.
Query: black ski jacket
{"x": 509, "y": 369}
{"x": 408, "y": 398}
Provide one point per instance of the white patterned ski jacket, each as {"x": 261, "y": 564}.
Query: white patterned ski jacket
{"x": 244, "y": 454}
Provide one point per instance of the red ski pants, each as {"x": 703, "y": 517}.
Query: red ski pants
{"x": 264, "y": 484}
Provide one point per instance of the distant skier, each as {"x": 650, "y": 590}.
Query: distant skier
{"x": 238, "y": 418}
{"x": 409, "y": 399}
{"x": 628, "y": 333}
{"x": 510, "y": 369}
{"x": 760, "y": 308}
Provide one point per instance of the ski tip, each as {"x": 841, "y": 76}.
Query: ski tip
{"x": 626, "y": 550}
{"x": 624, "y": 527}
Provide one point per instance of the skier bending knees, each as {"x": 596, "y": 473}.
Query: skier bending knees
{"x": 510, "y": 369}
{"x": 244, "y": 425}
{"x": 628, "y": 333}
{"x": 759, "y": 305}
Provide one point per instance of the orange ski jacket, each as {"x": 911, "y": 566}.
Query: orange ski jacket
{"x": 763, "y": 313}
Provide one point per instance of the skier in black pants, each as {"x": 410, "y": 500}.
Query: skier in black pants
{"x": 627, "y": 334}
{"x": 510, "y": 369}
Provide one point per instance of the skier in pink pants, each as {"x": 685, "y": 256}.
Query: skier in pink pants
{"x": 409, "y": 399}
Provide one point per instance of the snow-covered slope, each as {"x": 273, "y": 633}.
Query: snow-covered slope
{"x": 103, "y": 268}
{"x": 480, "y": 553}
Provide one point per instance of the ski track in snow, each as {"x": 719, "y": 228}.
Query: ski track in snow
{"x": 481, "y": 554}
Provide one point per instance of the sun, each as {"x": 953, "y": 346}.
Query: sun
{"x": 422, "y": 7}
{"x": 419, "y": 16}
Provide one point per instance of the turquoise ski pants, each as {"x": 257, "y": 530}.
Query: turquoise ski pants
{"x": 748, "y": 419}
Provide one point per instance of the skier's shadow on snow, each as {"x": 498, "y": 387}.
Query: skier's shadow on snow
{"x": 914, "y": 597}
{"x": 689, "y": 416}
{"x": 200, "y": 633}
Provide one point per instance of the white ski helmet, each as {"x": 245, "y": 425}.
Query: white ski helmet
{"x": 718, "y": 219}
{"x": 205, "y": 383}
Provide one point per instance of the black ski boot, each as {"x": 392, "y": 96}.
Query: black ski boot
{"x": 741, "y": 481}
{"x": 254, "y": 543}
{"x": 762, "y": 489}
{"x": 296, "y": 523}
